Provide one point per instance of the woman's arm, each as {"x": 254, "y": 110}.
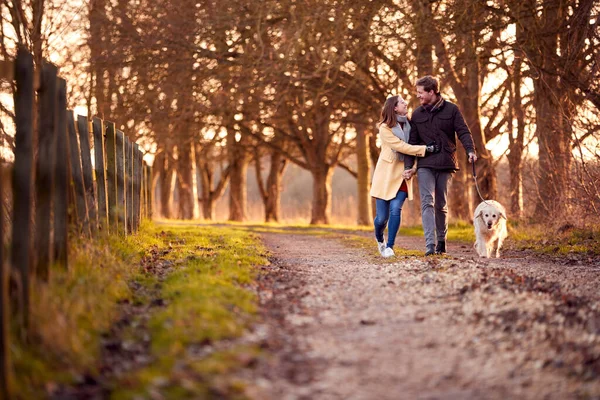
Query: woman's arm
{"x": 387, "y": 136}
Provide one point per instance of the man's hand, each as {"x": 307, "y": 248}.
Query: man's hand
{"x": 408, "y": 174}
{"x": 432, "y": 147}
{"x": 472, "y": 158}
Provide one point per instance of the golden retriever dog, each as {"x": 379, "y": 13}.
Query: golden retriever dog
{"x": 490, "y": 226}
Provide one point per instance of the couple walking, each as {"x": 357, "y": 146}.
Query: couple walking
{"x": 431, "y": 136}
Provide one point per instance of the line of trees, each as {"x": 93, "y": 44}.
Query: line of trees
{"x": 217, "y": 88}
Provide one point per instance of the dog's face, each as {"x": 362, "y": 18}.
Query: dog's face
{"x": 490, "y": 216}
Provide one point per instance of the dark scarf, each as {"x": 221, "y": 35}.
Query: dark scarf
{"x": 434, "y": 107}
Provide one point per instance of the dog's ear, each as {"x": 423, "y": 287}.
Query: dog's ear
{"x": 478, "y": 215}
{"x": 502, "y": 215}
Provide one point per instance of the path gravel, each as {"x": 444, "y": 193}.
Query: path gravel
{"x": 342, "y": 323}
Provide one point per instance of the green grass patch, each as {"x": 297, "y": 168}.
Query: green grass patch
{"x": 72, "y": 310}
{"x": 207, "y": 300}
{"x": 547, "y": 240}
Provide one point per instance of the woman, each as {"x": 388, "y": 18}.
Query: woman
{"x": 391, "y": 184}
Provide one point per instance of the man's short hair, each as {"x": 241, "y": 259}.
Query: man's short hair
{"x": 429, "y": 83}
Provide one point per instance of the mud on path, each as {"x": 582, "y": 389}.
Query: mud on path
{"x": 345, "y": 324}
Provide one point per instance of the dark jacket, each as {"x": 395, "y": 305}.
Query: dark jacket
{"x": 440, "y": 126}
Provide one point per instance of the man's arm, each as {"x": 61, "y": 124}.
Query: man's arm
{"x": 464, "y": 135}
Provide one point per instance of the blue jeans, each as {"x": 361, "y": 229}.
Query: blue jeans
{"x": 389, "y": 210}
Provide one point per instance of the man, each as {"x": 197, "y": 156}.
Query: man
{"x": 438, "y": 121}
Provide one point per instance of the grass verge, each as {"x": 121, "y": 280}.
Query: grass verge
{"x": 563, "y": 241}
{"x": 207, "y": 300}
{"x": 70, "y": 313}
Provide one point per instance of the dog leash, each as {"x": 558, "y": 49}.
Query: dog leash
{"x": 477, "y": 185}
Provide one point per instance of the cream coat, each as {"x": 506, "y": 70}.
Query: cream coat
{"x": 387, "y": 177}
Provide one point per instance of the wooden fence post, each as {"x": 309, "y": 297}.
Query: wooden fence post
{"x": 98, "y": 129}
{"x": 111, "y": 176}
{"x": 21, "y": 182}
{"x": 129, "y": 183}
{"x": 86, "y": 165}
{"x": 45, "y": 167}
{"x": 149, "y": 197}
{"x": 61, "y": 174}
{"x": 136, "y": 186}
{"x": 77, "y": 176}
{"x": 121, "y": 190}
{"x": 5, "y": 370}
{"x": 143, "y": 193}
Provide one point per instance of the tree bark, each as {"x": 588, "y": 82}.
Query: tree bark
{"x": 554, "y": 139}
{"x": 553, "y": 114}
{"x": 271, "y": 191}
{"x": 166, "y": 178}
{"x": 187, "y": 192}
{"x": 424, "y": 50}
{"x": 206, "y": 168}
{"x": 238, "y": 164}
{"x": 274, "y": 187}
{"x": 460, "y": 189}
{"x": 363, "y": 169}
{"x": 97, "y": 44}
{"x": 516, "y": 143}
{"x": 321, "y": 204}
{"x": 469, "y": 99}
{"x": 374, "y": 154}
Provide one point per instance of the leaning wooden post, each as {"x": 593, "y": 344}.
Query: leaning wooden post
{"x": 111, "y": 176}
{"x": 129, "y": 183}
{"x": 21, "y": 182}
{"x": 149, "y": 197}
{"x": 5, "y": 371}
{"x": 86, "y": 165}
{"x": 45, "y": 167}
{"x": 143, "y": 183}
{"x": 136, "y": 186}
{"x": 98, "y": 129}
{"x": 60, "y": 206}
{"x": 77, "y": 177}
{"x": 121, "y": 190}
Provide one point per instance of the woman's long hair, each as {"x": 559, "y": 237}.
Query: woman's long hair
{"x": 388, "y": 115}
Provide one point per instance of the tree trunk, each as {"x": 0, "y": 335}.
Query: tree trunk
{"x": 321, "y": 204}
{"x": 423, "y": 40}
{"x": 374, "y": 154}
{"x": 207, "y": 201}
{"x": 460, "y": 189}
{"x": 166, "y": 178}
{"x": 516, "y": 143}
{"x": 363, "y": 169}
{"x": 553, "y": 114}
{"x": 238, "y": 164}
{"x": 469, "y": 100}
{"x": 554, "y": 146}
{"x": 96, "y": 42}
{"x": 187, "y": 170}
{"x": 274, "y": 186}
{"x": 206, "y": 168}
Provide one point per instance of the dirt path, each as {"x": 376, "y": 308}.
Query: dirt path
{"x": 343, "y": 324}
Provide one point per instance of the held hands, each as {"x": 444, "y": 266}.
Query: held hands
{"x": 408, "y": 173}
{"x": 472, "y": 158}
{"x": 432, "y": 147}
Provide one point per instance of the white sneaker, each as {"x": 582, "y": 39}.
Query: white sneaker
{"x": 381, "y": 246}
{"x": 388, "y": 252}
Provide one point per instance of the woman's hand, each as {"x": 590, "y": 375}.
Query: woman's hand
{"x": 408, "y": 174}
